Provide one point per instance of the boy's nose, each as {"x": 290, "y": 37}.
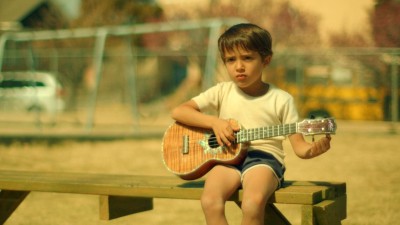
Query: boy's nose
{"x": 239, "y": 65}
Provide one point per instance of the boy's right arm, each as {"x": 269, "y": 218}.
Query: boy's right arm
{"x": 189, "y": 113}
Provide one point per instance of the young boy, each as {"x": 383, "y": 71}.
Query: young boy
{"x": 246, "y": 50}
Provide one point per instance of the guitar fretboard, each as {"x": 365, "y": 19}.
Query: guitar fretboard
{"x": 265, "y": 132}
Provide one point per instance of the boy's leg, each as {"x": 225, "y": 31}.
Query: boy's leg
{"x": 259, "y": 183}
{"x": 221, "y": 183}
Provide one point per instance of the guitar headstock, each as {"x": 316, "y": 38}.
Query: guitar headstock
{"x": 317, "y": 126}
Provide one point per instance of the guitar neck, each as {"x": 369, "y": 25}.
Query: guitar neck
{"x": 265, "y": 132}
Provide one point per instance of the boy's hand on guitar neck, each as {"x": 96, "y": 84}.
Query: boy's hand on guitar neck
{"x": 224, "y": 131}
{"x": 321, "y": 146}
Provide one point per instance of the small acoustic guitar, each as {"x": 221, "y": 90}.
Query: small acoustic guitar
{"x": 190, "y": 152}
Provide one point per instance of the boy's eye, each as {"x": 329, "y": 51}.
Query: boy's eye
{"x": 229, "y": 59}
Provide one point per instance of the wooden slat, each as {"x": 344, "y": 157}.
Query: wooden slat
{"x": 308, "y": 215}
{"x": 331, "y": 212}
{"x": 335, "y": 189}
{"x": 298, "y": 195}
{"x": 99, "y": 184}
{"x": 322, "y": 202}
{"x": 145, "y": 186}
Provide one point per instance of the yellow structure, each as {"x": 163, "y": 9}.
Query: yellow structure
{"x": 337, "y": 91}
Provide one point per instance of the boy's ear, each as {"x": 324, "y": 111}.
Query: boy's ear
{"x": 267, "y": 60}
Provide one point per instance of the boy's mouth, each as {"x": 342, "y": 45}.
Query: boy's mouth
{"x": 241, "y": 77}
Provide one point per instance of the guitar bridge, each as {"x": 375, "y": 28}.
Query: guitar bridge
{"x": 185, "y": 144}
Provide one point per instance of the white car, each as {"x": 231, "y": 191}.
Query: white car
{"x": 30, "y": 91}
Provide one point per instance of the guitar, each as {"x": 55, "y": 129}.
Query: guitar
{"x": 190, "y": 152}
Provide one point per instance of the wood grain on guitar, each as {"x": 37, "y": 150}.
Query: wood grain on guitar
{"x": 190, "y": 152}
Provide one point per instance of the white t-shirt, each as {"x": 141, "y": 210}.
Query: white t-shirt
{"x": 276, "y": 107}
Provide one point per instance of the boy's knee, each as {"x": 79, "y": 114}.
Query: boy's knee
{"x": 209, "y": 202}
{"x": 253, "y": 206}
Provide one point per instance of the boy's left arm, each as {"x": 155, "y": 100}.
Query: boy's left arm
{"x": 306, "y": 150}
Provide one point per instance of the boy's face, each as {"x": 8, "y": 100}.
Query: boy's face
{"x": 245, "y": 69}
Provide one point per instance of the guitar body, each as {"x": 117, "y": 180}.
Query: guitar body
{"x": 190, "y": 152}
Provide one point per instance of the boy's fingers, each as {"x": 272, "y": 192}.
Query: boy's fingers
{"x": 223, "y": 140}
{"x": 220, "y": 141}
{"x": 328, "y": 136}
{"x": 234, "y": 125}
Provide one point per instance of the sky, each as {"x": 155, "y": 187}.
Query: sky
{"x": 338, "y": 14}
{"x": 335, "y": 15}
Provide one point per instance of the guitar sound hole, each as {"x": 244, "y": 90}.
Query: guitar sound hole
{"x": 212, "y": 141}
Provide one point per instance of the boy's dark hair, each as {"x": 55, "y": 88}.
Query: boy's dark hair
{"x": 247, "y": 36}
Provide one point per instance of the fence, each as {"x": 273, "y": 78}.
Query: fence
{"x": 130, "y": 76}
{"x": 137, "y": 64}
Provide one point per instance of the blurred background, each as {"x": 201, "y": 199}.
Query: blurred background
{"x": 101, "y": 70}
{"x": 90, "y": 65}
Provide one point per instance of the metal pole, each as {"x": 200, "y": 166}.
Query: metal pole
{"x": 131, "y": 77}
{"x": 3, "y": 40}
{"x": 32, "y": 69}
{"x": 212, "y": 52}
{"x": 299, "y": 98}
{"x": 97, "y": 63}
{"x": 395, "y": 92}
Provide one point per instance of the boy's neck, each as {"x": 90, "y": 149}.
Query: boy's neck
{"x": 259, "y": 91}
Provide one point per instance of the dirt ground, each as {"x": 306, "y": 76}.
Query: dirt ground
{"x": 365, "y": 155}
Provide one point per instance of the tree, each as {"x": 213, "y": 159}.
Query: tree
{"x": 345, "y": 38}
{"x": 116, "y": 12}
{"x": 292, "y": 27}
{"x": 385, "y": 22}
{"x": 289, "y": 26}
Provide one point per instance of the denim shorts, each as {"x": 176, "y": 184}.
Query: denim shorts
{"x": 260, "y": 158}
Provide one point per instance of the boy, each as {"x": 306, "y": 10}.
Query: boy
{"x": 246, "y": 50}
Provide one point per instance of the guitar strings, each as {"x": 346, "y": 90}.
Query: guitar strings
{"x": 267, "y": 132}
{"x": 252, "y": 134}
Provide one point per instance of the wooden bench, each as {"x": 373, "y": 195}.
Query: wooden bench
{"x": 321, "y": 202}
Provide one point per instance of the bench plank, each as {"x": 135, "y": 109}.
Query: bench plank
{"x": 139, "y": 186}
{"x": 122, "y": 195}
{"x": 331, "y": 212}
